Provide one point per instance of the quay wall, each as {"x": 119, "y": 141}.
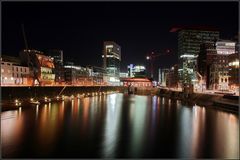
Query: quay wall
{"x": 9, "y": 93}
{"x": 219, "y": 101}
{"x": 196, "y": 98}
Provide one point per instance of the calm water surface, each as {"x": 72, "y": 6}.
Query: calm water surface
{"x": 120, "y": 126}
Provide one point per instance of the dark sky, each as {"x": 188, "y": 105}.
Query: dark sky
{"x": 79, "y": 28}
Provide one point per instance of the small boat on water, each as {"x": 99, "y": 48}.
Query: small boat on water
{"x": 35, "y": 102}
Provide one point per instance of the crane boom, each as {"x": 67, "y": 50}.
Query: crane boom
{"x": 24, "y": 37}
{"x": 151, "y": 57}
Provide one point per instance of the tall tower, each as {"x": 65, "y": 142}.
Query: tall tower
{"x": 111, "y": 58}
{"x": 189, "y": 41}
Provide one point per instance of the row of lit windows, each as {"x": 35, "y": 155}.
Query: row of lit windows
{"x": 21, "y": 69}
{"x": 17, "y": 75}
{"x": 5, "y": 63}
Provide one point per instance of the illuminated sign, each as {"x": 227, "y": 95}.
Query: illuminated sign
{"x": 188, "y": 56}
{"x": 109, "y": 46}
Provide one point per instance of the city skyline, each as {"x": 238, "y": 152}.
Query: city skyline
{"x": 76, "y": 29}
{"x": 120, "y": 80}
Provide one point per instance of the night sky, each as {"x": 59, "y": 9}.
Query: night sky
{"x": 79, "y": 28}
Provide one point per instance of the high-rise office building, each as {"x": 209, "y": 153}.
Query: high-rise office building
{"x": 111, "y": 58}
{"x": 189, "y": 40}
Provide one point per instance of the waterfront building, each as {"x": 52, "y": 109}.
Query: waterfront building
{"x": 77, "y": 75}
{"x": 13, "y": 73}
{"x": 213, "y": 63}
{"x": 189, "y": 40}
{"x": 136, "y": 82}
{"x": 111, "y": 58}
{"x": 172, "y": 77}
{"x": 233, "y": 64}
{"x": 207, "y": 56}
{"x": 130, "y": 70}
{"x": 219, "y": 69}
{"x": 41, "y": 65}
{"x": 99, "y": 75}
{"x": 163, "y": 77}
{"x": 57, "y": 56}
{"x": 123, "y": 75}
{"x": 137, "y": 71}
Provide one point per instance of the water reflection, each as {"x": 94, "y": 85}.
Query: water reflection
{"x": 11, "y": 130}
{"x": 137, "y": 122}
{"x": 198, "y": 131}
{"x": 185, "y": 128}
{"x": 119, "y": 126}
{"x": 111, "y": 128}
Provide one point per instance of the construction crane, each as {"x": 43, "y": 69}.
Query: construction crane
{"x": 152, "y": 56}
{"x": 30, "y": 63}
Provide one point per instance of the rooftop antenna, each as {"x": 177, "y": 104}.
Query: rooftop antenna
{"x": 24, "y": 36}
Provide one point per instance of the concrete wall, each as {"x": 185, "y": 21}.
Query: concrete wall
{"x": 27, "y": 92}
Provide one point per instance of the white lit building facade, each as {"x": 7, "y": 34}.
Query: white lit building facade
{"x": 219, "y": 70}
{"x": 13, "y": 73}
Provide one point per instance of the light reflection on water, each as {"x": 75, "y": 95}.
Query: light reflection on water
{"x": 111, "y": 127}
{"x": 119, "y": 126}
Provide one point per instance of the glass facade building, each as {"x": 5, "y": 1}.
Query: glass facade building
{"x": 111, "y": 58}
{"x": 189, "y": 40}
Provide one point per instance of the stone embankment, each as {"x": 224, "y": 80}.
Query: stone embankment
{"x": 9, "y": 95}
{"x": 220, "y": 101}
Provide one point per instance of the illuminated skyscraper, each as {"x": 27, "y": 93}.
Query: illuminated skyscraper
{"x": 111, "y": 58}
{"x": 189, "y": 40}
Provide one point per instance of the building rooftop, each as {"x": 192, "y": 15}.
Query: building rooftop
{"x": 204, "y": 28}
{"x": 12, "y": 59}
{"x": 135, "y": 79}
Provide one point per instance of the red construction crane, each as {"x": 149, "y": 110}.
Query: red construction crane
{"x": 152, "y": 56}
